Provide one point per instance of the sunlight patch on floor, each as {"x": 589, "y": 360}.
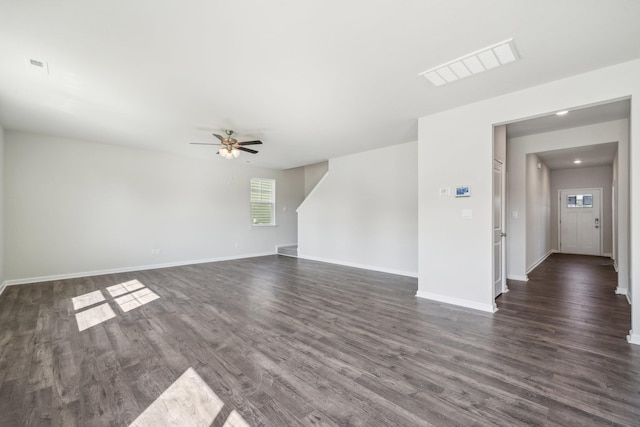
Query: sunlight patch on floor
{"x": 134, "y": 295}
{"x": 94, "y": 316}
{"x": 136, "y": 299}
{"x": 86, "y": 300}
{"x": 124, "y": 288}
{"x": 235, "y": 420}
{"x": 187, "y": 402}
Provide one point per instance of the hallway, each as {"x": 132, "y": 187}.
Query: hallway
{"x": 572, "y": 294}
{"x": 568, "y": 310}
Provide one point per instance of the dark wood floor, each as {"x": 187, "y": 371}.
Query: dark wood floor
{"x": 286, "y": 342}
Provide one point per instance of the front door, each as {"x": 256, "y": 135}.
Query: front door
{"x": 580, "y": 221}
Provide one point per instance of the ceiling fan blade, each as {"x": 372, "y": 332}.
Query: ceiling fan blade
{"x": 248, "y": 150}
{"x": 218, "y": 136}
{"x": 203, "y": 143}
{"x": 256, "y": 142}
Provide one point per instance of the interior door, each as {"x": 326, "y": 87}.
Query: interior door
{"x": 499, "y": 267}
{"x": 580, "y": 221}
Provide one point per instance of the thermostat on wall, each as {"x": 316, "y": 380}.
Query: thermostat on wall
{"x": 463, "y": 191}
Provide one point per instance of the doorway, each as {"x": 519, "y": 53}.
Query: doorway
{"x": 573, "y": 151}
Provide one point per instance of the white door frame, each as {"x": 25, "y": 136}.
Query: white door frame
{"x": 500, "y": 158}
{"x": 579, "y": 190}
{"x": 505, "y": 288}
{"x": 503, "y": 227}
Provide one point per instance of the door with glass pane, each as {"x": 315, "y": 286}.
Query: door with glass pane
{"x": 580, "y": 222}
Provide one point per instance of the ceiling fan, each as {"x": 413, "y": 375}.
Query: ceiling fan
{"x": 230, "y": 147}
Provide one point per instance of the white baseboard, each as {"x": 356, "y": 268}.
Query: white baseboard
{"x": 363, "y": 266}
{"x": 517, "y": 277}
{"x": 633, "y": 338}
{"x": 285, "y": 245}
{"x": 628, "y": 298}
{"x": 456, "y": 301}
{"x": 39, "y": 279}
{"x": 540, "y": 261}
{"x": 3, "y": 285}
{"x": 615, "y": 265}
{"x": 607, "y": 255}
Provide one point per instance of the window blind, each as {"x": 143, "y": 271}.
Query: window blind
{"x": 263, "y": 201}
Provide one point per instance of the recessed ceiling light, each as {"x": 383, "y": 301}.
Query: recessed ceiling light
{"x": 562, "y": 113}
{"x": 481, "y": 60}
{"x": 577, "y": 161}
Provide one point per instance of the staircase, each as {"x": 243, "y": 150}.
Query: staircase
{"x": 291, "y": 251}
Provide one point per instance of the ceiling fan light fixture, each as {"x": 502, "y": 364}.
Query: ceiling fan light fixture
{"x": 228, "y": 153}
{"x": 230, "y": 147}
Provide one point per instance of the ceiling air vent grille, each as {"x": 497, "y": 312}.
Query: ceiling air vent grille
{"x": 477, "y": 62}
{"x": 37, "y": 66}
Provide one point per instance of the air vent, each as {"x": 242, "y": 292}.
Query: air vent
{"x": 37, "y": 66}
{"x": 477, "y": 62}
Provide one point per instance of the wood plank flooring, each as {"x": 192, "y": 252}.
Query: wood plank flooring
{"x": 286, "y": 342}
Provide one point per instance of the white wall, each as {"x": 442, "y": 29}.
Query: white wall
{"x": 2, "y": 273}
{"x": 518, "y": 148}
{"x": 289, "y": 195}
{"x": 455, "y": 147}
{"x": 73, "y": 207}
{"x": 594, "y": 177}
{"x": 614, "y": 210}
{"x": 313, "y": 174}
{"x": 538, "y": 214}
{"x": 364, "y": 213}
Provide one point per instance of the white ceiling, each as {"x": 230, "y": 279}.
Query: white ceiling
{"x": 312, "y": 79}
{"x": 590, "y": 155}
{"x": 575, "y": 118}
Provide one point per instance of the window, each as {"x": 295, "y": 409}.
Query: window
{"x": 580, "y": 201}
{"x": 263, "y": 201}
